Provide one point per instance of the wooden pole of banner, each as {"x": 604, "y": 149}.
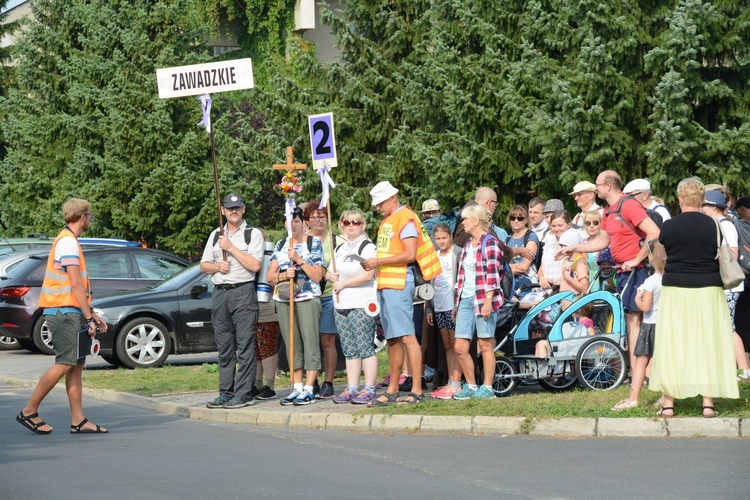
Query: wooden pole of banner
{"x": 332, "y": 240}
{"x": 290, "y": 166}
{"x": 217, "y": 188}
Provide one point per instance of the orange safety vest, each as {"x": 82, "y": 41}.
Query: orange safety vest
{"x": 389, "y": 243}
{"x": 56, "y": 288}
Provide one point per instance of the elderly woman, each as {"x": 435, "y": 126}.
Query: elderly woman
{"x": 524, "y": 268}
{"x": 478, "y": 299}
{"x": 693, "y": 350}
{"x": 354, "y": 291}
{"x": 550, "y": 272}
{"x": 714, "y": 206}
{"x": 303, "y": 264}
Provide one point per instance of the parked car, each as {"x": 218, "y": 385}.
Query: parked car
{"x": 111, "y": 270}
{"x": 8, "y": 262}
{"x": 146, "y": 326}
{"x": 12, "y": 245}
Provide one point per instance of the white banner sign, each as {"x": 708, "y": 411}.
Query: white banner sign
{"x": 208, "y": 78}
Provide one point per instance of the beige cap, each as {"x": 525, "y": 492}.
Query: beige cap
{"x": 430, "y": 205}
{"x": 583, "y": 186}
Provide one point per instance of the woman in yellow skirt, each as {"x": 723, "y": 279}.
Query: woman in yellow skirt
{"x": 693, "y": 349}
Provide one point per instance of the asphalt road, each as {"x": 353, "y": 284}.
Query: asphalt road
{"x": 149, "y": 455}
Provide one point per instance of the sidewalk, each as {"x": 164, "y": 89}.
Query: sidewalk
{"x": 324, "y": 414}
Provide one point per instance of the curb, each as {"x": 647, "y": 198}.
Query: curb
{"x": 439, "y": 424}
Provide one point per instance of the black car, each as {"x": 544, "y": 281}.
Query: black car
{"x": 111, "y": 270}
{"x": 145, "y": 326}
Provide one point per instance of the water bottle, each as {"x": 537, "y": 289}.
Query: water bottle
{"x": 263, "y": 288}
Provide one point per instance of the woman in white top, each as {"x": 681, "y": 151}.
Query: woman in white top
{"x": 354, "y": 290}
{"x": 550, "y": 272}
{"x": 714, "y": 206}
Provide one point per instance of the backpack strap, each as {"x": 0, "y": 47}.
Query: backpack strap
{"x": 248, "y": 235}
{"x": 618, "y": 211}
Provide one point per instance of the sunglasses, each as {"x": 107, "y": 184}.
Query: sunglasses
{"x": 591, "y": 223}
{"x": 520, "y": 218}
{"x": 347, "y": 223}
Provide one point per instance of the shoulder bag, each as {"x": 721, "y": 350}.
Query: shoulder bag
{"x": 729, "y": 269}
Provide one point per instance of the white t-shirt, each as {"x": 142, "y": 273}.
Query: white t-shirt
{"x": 443, "y": 284}
{"x": 470, "y": 272}
{"x": 661, "y": 210}
{"x": 356, "y": 297}
{"x": 653, "y": 285}
{"x": 730, "y": 233}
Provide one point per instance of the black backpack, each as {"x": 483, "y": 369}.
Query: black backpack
{"x": 248, "y": 235}
{"x": 743, "y": 245}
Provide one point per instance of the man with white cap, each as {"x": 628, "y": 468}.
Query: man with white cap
{"x": 584, "y": 193}
{"x": 401, "y": 241}
{"x": 640, "y": 189}
{"x": 625, "y": 245}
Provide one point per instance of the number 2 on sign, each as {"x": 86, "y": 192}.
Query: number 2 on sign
{"x": 322, "y": 140}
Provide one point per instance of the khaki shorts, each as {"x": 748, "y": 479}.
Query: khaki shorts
{"x": 63, "y": 329}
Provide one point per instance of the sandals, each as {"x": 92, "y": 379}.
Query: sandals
{"x": 713, "y": 413}
{"x": 625, "y": 404}
{"x": 28, "y": 422}
{"x": 666, "y": 408}
{"x": 78, "y": 429}
{"x": 411, "y": 399}
{"x": 389, "y": 400}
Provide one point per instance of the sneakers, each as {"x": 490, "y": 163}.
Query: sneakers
{"x": 266, "y": 393}
{"x": 316, "y": 388}
{"x": 218, "y": 402}
{"x": 464, "y": 393}
{"x": 254, "y": 392}
{"x": 289, "y": 400}
{"x": 384, "y": 383}
{"x": 445, "y": 392}
{"x": 345, "y": 397}
{"x": 363, "y": 397}
{"x": 483, "y": 392}
{"x": 238, "y": 403}
{"x": 326, "y": 391}
{"x": 304, "y": 398}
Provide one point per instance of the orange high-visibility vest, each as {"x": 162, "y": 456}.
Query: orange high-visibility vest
{"x": 56, "y": 288}
{"x": 389, "y": 243}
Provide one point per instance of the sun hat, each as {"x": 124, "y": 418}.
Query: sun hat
{"x": 381, "y": 192}
{"x": 715, "y": 199}
{"x": 583, "y": 187}
{"x": 430, "y": 205}
{"x": 570, "y": 237}
{"x": 637, "y": 186}
{"x": 553, "y": 205}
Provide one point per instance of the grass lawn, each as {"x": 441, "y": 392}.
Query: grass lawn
{"x": 182, "y": 379}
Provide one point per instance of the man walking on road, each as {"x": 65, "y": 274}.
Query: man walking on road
{"x": 66, "y": 299}
{"x": 234, "y": 311}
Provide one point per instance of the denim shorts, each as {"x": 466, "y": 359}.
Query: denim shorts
{"x": 467, "y": 321}
{"x": 396, "y": 311}
{"x": 327, "y": 323}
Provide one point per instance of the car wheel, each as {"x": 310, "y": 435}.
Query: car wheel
{"x": 9, "y": 344}
{"x": 28, "y": 345}
{"x": 42, "y": 336}
{"x": 143, "y": 343}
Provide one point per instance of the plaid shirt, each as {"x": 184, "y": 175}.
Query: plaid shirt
{"x": 489, "y": 273}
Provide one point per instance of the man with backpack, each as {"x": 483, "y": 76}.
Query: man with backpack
{"x": 640, "y": 189}
{"x": 625, "y": 225}
{"x": 233, "y": 262}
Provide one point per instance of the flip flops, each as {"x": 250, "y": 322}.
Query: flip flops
{"x": 78, "y": 429}
{"x": 28, "y": 422}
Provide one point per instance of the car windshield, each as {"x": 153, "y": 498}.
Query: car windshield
{"x": 179, "y": 278}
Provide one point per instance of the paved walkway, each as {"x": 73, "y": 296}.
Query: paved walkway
{"x": 25, "y": 370}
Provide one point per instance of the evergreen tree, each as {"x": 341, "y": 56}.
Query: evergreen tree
{"x": 85, "y": 120}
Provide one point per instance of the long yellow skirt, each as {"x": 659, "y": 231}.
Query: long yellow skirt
{"x": 694, "y": 349}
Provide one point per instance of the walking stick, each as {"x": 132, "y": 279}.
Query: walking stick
{"x": 291, "y": 322}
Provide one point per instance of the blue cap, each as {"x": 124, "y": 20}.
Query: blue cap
{"x": 715, "y": 199}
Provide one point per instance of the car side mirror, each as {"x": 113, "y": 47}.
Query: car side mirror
{"x": 198, "y": 289}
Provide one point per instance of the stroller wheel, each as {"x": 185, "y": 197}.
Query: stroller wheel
{"x": 602, "y": 364}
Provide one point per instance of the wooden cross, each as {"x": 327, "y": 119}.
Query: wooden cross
{"x": 290, "y": 165}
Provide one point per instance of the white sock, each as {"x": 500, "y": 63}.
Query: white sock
{"x": 298, "y": 386}
{"x": 473, "y": 387}
{"x": 309, "y": 388}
